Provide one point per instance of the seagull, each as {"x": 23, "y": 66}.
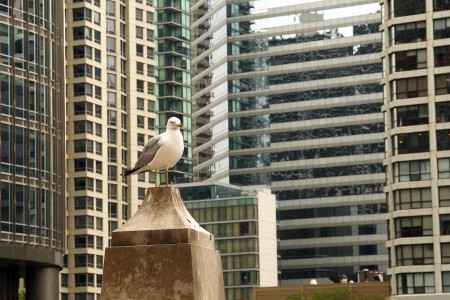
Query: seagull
{"x": 161, "y": 152}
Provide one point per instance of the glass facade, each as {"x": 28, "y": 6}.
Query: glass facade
{"x": 174, "y": 78}
{"x": 416, "y": 87}
{"x": 288, "y": 95}
{"x": 32, "y": 140}
{"x": 235, "y": 217}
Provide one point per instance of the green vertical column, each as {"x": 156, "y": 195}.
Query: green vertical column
{"x": 173, "y": 68}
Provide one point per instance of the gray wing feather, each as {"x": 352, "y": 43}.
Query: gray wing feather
{"x": 149, "y": 152}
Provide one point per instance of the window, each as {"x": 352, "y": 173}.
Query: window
{"x": 111, "y": 26}
{"x": 140, "y": 122}
{"x": 110, "y": 44}
{"x": 149, "y": 17}
{"x": 140, "y": 139}
{"x": 97, "y": 36}
{"x": 96, "y": 18}
{"x": 84, "y": 296}
{"x": 442, "y": 112}
{"x": 150, "y": 35}
{"x": 150, "y": 52}
{"x": 412, "y": 198}
{"x": 442, "y": 28}
{"x": 82, "y": 89}
{"x": 112, "y": 99}
{"x": 81, "y": 33}
{"x": 443, "y": 139}
{"x": 139, "y": 50}
{"x": 414, "y": 142}
{"x": 84, "y": 222}
{"x": 442, "y": 56}
{"x": 84, "y": 202}
{"x": 150, "y": 123}
{"x": 83, "y": 183}
{"x": 83, "y": 127}
{"x": 139, "y": 32}
{"x": 139, "y": 14}
{"x": 82, "y": 51}
{"x": 99, "y": 204}
{"x": 442, "y": 83}
{"x": 99, "y": 223}
{"x": 445, "y": 224}
{"x": 81, "y": 108}
{"x": 410, "y": 115}
{"x": 98, "y": 55}
{"x": 112, "y": 210}
{"x": 411, "y": 255}
{"x": 112, "y": 154}
{"x": 412, "y": 170}
{"x": 99, "y": 242}
{"x": 112, "y": 225}
{"x": 100, "y": 261}
{"x": 151, "y": 106}
{"x": 444, "y": 196}
{"x": 112, "y": 173}
{"x": 439, "y": 5}
{"x": 112, "y": 136}
{"x": 409, "y": 88}
{"x": 81, "y": 14}
{"x": 84, "y": 260}
{"x": 140, "y": 103}
{"x": 99, "y": 186}
{"x": 111, "y": 62}
{"x": 84, "y": 279}
{"x": 84, "y": 146}
{"x": 99, "y": 280}
{"x": 84, "y": 241}
{"x": 409, "y": 60}
{"x": 82, "y": 70}
{"x": 150, "y": 71}
{"x": 399, "y": 8}
{"x": 413, "y": 226}
{"x": 124, "y": 212}
{"x": 64, "y": 280}
{"x": 408, "y": 33}
{"x": 112, "y": 191}
{"x": 140, "y": 85}
{"x": 443, "y": 168}
{"x": 112, "y": 117}
{"x": 141, "y": 193}
{"x": 415, "y": 283}
{"x": 83, "y": 164}
{"x": 110, "y": 8}
{"x": 140, "y": 68}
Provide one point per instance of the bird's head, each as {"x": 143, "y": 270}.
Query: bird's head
{"x": 174, "y": 124}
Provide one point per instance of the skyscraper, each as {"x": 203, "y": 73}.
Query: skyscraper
{"x": 174, "y": 77}
{"x": 287, "y": 94}
{"x": 416, "y": 83}
{"x": 111, "y": 104}
{"x": 32, "y": 148}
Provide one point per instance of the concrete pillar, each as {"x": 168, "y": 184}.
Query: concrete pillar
{"x": 162, "y": 253}
{"x": 42, "y": 283}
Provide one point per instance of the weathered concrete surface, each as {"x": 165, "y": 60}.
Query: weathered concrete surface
{"x": 162, "y": 253}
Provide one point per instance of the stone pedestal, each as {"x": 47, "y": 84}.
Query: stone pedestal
{"x": 162, "y": 253}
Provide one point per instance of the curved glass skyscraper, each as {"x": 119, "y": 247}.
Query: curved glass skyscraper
{"x": 287, "y": 94}
{"x": 32, "y": 147}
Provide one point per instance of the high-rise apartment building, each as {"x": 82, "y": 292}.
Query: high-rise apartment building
{"x": 111, "y": 86}
{"x": 416, "y": 61}
{"x": 288, "y": 94}
{"x": 32, "y": 148}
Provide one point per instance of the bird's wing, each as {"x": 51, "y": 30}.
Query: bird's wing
{"x": 149, "y": 152}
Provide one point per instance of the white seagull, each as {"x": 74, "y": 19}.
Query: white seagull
{"x": 161, "y": 152}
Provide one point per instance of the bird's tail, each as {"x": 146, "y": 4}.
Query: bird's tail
{"x": 130, "y": 171}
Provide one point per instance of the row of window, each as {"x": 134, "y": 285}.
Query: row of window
{"x": 401, "y": 8}
{"x": 327, "y": 212}
{"x": 336, "y": 231}
{"x": 416, "y": 31}
{"x": 418, "y": 170}
{"x": 418, "y": 87}
{"x": 418, "y": 114}
{"x": 87, "y": 222}
{"x": 416, "y": 142}
{"x": 417, "y": 59}
{"x": 419, "y": 226}
{"x": 324, "y": 252}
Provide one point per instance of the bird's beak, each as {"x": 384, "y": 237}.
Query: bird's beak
{"x": 179, "y": 125}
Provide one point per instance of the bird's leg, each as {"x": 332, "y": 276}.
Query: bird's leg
{"x": 167, "y": 177}
{"x": 156, "y": 178}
